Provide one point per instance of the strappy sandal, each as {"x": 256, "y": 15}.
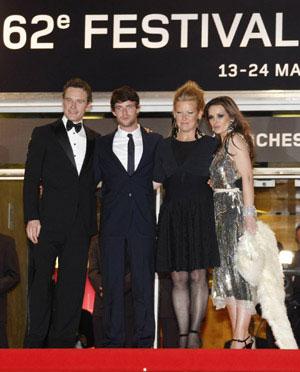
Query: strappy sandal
{"x": 247, "y": 345}
{"x": 180, "y": 338}
{"x": 199, "y": 341}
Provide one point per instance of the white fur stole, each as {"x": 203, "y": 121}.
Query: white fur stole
{"x": 258, "y": 263}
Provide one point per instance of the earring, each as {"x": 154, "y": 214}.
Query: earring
{"x": 174, "y": 128}
{"x": 231, "y": 126}
{"x": 198, "y": 133}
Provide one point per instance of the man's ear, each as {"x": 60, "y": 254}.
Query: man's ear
{"x": 89, "y": 106}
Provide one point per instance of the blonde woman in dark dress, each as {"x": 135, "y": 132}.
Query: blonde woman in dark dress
{"x": 186, "y": 244}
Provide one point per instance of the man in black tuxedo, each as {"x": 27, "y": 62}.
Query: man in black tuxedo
{"x": 124, "y": 163}
{"x": 9, "y": 278}
{"x": 60, "y": 220}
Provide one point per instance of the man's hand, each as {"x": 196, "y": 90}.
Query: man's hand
{"x": 33, "y": 229}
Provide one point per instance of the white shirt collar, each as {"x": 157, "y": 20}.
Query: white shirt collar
{"x": 65, "y": 119}
{"x": 135, "y": 133}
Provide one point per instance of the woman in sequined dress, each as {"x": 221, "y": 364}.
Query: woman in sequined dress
{"x": 232, "y": 181}
{"x": 186, "y": 242}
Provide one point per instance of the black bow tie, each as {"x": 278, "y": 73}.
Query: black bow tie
{"x": 71, "y": 125}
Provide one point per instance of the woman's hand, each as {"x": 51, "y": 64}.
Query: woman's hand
{"x": 250, "y": 224}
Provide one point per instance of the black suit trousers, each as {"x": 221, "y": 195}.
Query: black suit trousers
{"x": 54, "y": 310}
{"x": 140, "y": 251}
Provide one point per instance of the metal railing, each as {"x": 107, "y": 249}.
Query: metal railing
{"x": 259, "y": 173}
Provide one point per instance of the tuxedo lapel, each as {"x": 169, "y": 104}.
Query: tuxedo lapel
{"x": 62, "y": 137}
{"x": 90, "y": 140}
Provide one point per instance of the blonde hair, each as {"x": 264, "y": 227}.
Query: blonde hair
{"x": 190, "y": 91}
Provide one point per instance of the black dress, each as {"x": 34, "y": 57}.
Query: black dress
{"x": 186, "y": 227}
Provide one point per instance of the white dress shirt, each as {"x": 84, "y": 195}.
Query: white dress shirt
{"x": 120, "y": 144}
{"x": 78, "y": 144}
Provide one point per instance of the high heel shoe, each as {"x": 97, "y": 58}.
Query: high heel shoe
{"x": 183, "y": 340}
{"x": 248, "y": 345}
{"x": 194, "y": 342}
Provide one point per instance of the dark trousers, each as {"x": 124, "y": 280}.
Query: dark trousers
{"x": 168, "y": 333}
{"x": 57, "y": 314}
{"x": 98, "y": 329}
{"x": 140, "y": 251}
{"x": 3, "y": 336}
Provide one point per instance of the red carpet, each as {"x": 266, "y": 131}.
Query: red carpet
{"x": 137, "y": 360}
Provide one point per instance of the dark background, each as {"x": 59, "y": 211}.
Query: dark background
{"x": 164, "y": 69}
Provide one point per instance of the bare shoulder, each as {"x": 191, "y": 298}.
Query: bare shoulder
{"x": 238, "y": 144}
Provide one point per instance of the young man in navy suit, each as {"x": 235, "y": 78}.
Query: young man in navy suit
{"x": 124, "y": 163}
{"x": 60, "y": 219}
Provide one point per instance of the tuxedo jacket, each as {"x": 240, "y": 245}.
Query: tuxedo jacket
{"x": 126, "y": 199}
{"x": 50, "y": 164}
{"x": 9, "y": 271}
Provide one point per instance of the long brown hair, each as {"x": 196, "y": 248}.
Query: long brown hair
{"x": 239, "y": 125}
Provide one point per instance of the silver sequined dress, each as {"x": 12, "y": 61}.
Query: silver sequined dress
{"x": 228, "y": 285}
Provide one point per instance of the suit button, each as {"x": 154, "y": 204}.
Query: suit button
{"x": 130, "y": 195}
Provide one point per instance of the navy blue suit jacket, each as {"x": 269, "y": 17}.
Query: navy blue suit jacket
{"x": 126, "y": 199}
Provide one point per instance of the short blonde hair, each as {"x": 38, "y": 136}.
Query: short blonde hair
{"x": 190, "y": 91}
